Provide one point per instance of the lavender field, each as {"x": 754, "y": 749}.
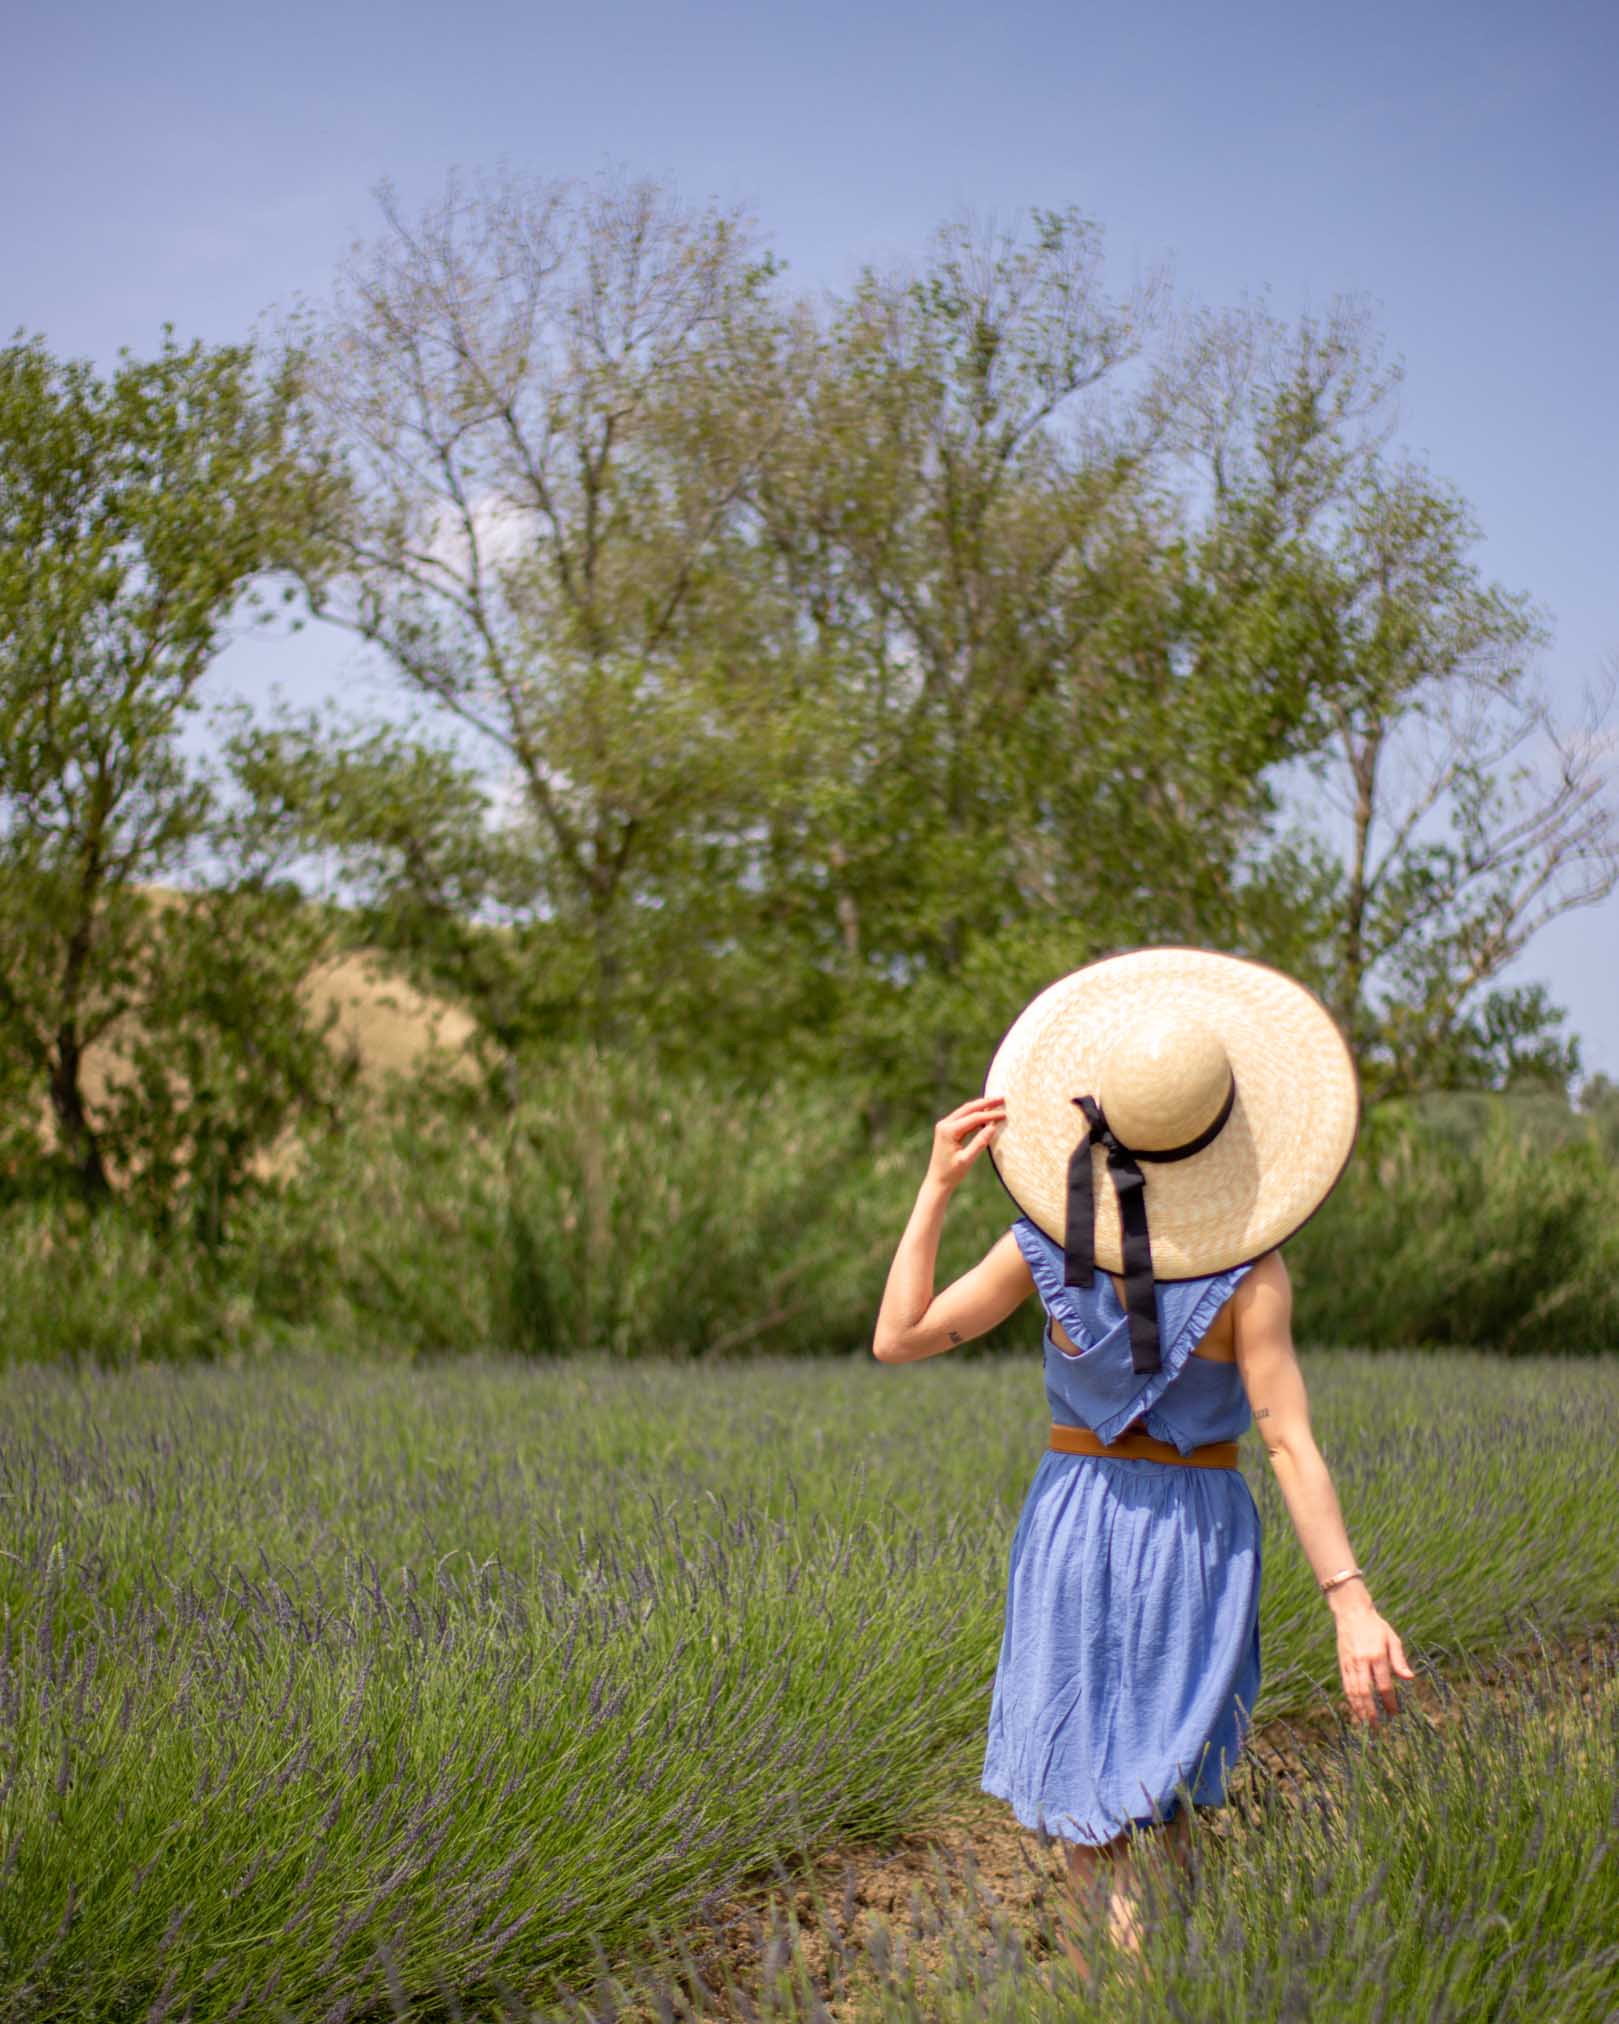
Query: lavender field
{"x": 343, "y": 1691}
{"x": 1460, "y": 1868}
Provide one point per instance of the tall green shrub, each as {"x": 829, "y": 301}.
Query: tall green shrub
{"x": 1504, "y": 1237}
{"x": 618, "y": 1206}
{"x": 641, "y": 1211}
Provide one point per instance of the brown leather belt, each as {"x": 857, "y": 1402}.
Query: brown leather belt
{"x": 1133, "y": 1447}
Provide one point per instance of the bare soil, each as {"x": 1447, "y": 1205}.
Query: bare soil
{"x": 975, "y": 1861}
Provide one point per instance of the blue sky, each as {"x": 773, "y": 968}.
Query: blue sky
{"x": 1458, "y": 166}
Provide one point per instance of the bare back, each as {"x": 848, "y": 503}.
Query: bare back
{"x": 1218, "y": 1345}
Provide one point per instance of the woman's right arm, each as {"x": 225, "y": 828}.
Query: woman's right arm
{"x": 911, "y": 1322}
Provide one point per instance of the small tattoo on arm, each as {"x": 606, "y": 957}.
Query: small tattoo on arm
{"x": 953, "y": 1335}
{"x": 1262, "y": 1412}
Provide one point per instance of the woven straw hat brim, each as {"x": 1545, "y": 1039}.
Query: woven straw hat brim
{"x": 1279, "y": 1154}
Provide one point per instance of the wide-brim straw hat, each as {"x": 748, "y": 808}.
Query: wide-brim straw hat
{"x": 1177, "y": 1047}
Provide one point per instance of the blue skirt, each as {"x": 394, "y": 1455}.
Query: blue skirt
{"x": 1129, "y": 1663}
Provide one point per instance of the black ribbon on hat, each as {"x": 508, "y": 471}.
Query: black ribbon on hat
{"x": 1130, "y": 1185}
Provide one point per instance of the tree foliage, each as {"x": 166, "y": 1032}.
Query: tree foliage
{"x": 803, "y": 682}
{"x": 137, "y": 514}
{"x": 859, "y": 665}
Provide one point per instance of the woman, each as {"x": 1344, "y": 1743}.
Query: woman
{"x": 1223, "y": 1103}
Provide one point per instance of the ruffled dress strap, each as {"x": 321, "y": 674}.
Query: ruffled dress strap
{"x": 1101, "y": 1377}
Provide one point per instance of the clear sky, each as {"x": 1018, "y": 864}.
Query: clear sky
{"x": 1457, "y": 164}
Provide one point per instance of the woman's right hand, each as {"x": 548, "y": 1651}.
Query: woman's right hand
{"x": 953, "y": 1149}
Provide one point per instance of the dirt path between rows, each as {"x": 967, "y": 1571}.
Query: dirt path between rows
{"x": 976, "y": 1853}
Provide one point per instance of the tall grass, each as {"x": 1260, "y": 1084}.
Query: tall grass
{"x": 1499, "y": 1228}
{"x": 623, "y": 1209}
{"x": 616, "y": 1209}
{"x": 323, "y": 1682}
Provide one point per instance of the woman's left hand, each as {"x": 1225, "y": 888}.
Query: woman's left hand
{"x": 1370, "y": 1658}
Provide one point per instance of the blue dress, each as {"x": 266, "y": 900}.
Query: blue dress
{"x": 1130, "y": 1657}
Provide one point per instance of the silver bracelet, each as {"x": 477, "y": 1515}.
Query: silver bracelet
{"x": 1347, "y": 1574}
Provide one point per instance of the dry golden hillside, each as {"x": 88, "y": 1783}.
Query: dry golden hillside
{"x": 387, "y": 1020}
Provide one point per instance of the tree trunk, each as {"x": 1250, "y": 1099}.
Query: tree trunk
{"x": 605, "y": 1025}
{"x": 1352, "y": 977}
{"x": 73, "y": 1122}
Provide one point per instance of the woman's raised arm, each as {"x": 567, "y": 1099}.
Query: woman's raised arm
{"x": 1370, "y": 1655}
{"x": 911, "y": 1323}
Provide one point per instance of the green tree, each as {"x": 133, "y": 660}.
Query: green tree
{"x": 861, "y": 666}
{"x": 138, "y": 513}
{"x": 1046, "y": 717}
{"x": 533, "y": 390}
{"x": 402, "y": 830}
{"x": 929, "y": 522}
{"x": 1469, "y": 817}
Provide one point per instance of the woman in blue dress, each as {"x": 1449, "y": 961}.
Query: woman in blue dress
{"x": 1219, "y": 1102}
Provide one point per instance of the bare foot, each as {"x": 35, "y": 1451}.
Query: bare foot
{"x": 1080, "y": 1919}
{"x": 1124, "y": 1919}
{"x": 1068, "y": 1934}
{"x": 1146, "y": 1863}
